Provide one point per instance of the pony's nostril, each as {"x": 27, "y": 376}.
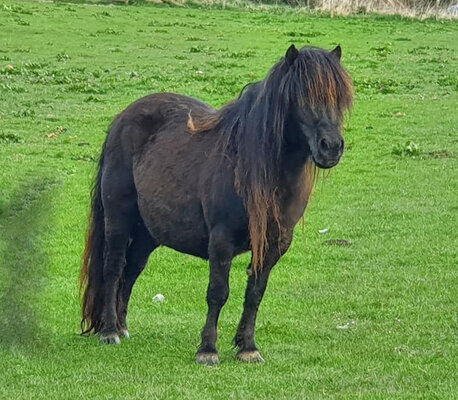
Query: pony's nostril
{"x": 324, "y": 145}
{"x": 331, "y": 146}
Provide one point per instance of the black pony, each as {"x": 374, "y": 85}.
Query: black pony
{"x": 214, "y": 184}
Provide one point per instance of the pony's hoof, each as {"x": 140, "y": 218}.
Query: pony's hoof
{"x": 207, "y": 358}
{"x": 250, "y": 356}
{"x": 125, "y": 333}
{"x": 110, "y": 338}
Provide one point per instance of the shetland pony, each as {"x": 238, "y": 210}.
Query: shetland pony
{"x": 211, "y": 183}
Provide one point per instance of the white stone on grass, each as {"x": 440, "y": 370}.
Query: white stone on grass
{"x": 159, "y": 298}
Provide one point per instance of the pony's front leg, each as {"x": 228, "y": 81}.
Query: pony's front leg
{"x": 257, "y": 282}
{"x": 220, "y": 253}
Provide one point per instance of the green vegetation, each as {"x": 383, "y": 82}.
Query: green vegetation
{"x": 367, "y": 310}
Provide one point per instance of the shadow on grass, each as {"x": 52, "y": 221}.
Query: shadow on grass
{"x": 24, "y": 222}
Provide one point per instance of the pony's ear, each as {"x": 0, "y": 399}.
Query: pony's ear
{"x": 291, "y": 54}
{"x": 337, "y": 52}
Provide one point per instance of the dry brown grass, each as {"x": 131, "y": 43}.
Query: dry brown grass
{"x": 422, "y": 9}
{"x": 412, "y": 8}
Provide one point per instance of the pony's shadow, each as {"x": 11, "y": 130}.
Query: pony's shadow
{"x": 24, "y": 221}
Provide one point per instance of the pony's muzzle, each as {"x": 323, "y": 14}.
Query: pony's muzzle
{"x": 330, "y": 150}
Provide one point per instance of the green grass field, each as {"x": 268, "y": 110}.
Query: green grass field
{"x": 375, "y": 320}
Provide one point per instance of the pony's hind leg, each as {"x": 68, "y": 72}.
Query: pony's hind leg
{"x": 141, "y": 247}
{"x": 120, "y": 208}
{"x": 221, "y": 252}
{"x": 115, "y": 258}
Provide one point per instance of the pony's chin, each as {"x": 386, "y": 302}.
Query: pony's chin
{"x": 326, "y": 165}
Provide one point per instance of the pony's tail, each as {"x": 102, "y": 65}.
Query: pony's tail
{"x": 91, "y": 277}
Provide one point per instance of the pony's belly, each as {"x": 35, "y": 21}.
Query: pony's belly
{"x": 175, "y": 225}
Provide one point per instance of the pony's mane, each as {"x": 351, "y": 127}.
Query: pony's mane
{"x": 252, "y": 129}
